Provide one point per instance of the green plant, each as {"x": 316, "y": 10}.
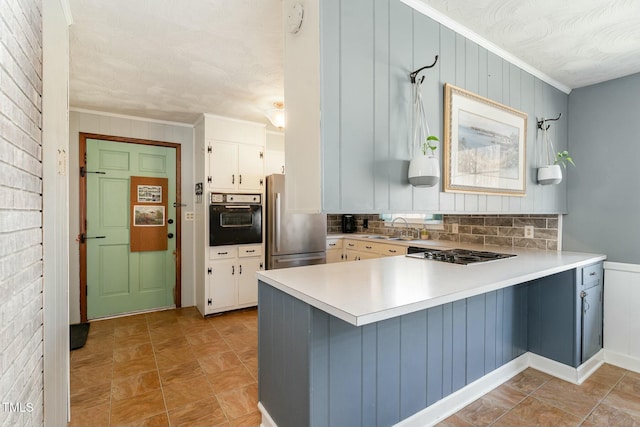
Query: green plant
{"x": 428, "y": 146}
{"x": 562, "y": 158}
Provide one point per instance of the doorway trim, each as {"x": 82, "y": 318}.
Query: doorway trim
{"x": 83, "y": 136}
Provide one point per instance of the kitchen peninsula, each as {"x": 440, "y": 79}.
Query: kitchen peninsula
{"x": 375, "y": 342}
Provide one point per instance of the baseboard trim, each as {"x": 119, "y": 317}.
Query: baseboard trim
{"x": 454, "y": 402}
{"x": 564, "y": 372}
{"x": 461, "y": 398}
{"x": 622, "y": 360}
{"x": 267, "y": 421}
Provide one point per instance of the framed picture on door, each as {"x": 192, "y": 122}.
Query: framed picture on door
{"x": 148, "y": 207}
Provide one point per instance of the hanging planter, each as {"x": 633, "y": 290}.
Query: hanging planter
{"x": 424, "y": 167}
{"x": 551, "y": 173}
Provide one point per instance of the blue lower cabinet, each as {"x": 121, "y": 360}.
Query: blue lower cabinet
{"x": 317, "y": 370}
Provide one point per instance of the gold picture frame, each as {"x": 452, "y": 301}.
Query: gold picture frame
{"x": 485, "y": 148}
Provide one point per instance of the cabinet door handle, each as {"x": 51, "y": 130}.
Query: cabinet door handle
{"x": 593, "y": 273}
{"x": 223, "y": 253}
{"x": 233, "y": 269}
{"x": 240, "y": 179}
{"x": 250, "y": 251}
{"x": 332, "y": 244}
{"x": 351, "y": 245}
{"x": 233, "y": 178}
{"x": 240, "y": 268}
{"x": 369, "y": 247}
{"x": 393, "y": 251}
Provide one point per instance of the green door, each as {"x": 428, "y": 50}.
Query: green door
{"x": 118, "y": 280}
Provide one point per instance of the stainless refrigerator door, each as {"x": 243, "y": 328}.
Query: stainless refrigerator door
{"x": 286, "y": 261}
{"x": 291, "y": 233}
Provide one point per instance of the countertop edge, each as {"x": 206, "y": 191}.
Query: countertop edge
{"x": 365, "y": 319}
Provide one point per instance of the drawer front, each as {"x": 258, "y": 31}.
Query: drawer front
{"x": 390, "y": 250}
{"x": 222, "y": 252}
{"x": 334, "y": 244}
{"x": 592, "y": 275}
{"x": 351, "y": 244}
{"x": 247, "y": 251}
{"x": 366, "y": 246}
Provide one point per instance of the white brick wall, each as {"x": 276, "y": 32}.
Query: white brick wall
{"x": 21, "y": 330}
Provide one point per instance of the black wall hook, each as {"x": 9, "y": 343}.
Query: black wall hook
{"x": 413, "y": 75}
{"x": 543, "y": 120}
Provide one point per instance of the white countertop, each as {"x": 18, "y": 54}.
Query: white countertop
{"x": 368, "y": 291}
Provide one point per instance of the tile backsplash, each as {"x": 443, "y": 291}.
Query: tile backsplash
{"x": 493, "y": 230}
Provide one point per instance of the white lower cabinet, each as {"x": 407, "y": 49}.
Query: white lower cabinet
{"x": 231, "y": 278}
{"x": 334, "y": 250}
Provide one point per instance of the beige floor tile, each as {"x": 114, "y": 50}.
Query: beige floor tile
{"x": 623, "y": 401}
{"x": 528, "y": 380}
{"x": 578, "y": 400}
{"x": 219, "y": 362}
{"x": 158, "y": 420}
{"x": 130, "y": 330}
{"x": 239, "y": 402}
{"x": 211, "y": 348}
{"x": 230, "y": 379}
{"x": 126, "y": 354}
{"x": 182, "y": 393}
{"x": 181, "y": 372}
{"x": 607, "y": 416}
{"x": 131, "y": 340}
{"x": 137, "y": 408}
{"x": 454, "y": 421}
{"x": 83, "y": 360}
{"x": 491, "y": 406}
{"x": 253, "y": 419}
{"x": 203, "y": 413}
{"x": 532, "y": 412}
{"x": 174, "y": 356}
{"x": 126, "y": 387}
{"x": 89, "y": 376}
{"x": 630, "y": 383}
{"x": 133, "y": 367}
{"x": 92, "y": 396}
{"x": 607, "y": 375}
{"x": 95, "y": 416}
{"x": 161, "y": 343}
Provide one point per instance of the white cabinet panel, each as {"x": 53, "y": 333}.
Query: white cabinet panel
{"x": 247, "y": 281}
{"x": 223, "y": 165}
{"x": 222, "y": 290}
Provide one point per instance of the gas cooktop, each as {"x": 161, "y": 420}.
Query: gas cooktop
{"x": 456, "y": 256}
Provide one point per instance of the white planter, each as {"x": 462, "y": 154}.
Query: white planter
{"x": 424, "y": 171}
{"x": 551, "y": 174}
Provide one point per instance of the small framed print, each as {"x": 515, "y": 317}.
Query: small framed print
{"x": 149, "y": 194}
{"x": 148, "y": 216}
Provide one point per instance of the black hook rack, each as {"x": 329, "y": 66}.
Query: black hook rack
{"x": 413, "y": 75}
{"x": 543, "y": 120}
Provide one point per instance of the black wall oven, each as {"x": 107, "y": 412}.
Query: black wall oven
{"x": 235, "y": 219}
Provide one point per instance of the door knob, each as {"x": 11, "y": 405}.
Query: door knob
{"x": 170, "y": 221}
{"x": 170, "y": 235}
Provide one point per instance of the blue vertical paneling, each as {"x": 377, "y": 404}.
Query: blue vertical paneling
{"x": 369, "y": 374}
{"x": 509, "y": 312}
{"x": 413, "y": 363}
{"x": 345, "y": 373}
{"x": 319, "y": 368}
{"x": 381, "y": 106}
{"x": 471, "y": 84}
{"x": 447, "y": 61}
{"x": 388, "y": 403}
{"x": 436, "y": 352}
{"x": 447, "y": 349}
{"x": 499, "y": 326}
{"x": 475, "y": 337}
{"x": 330, "y": 99}
{"x": 427, "y": 45}
{"x": 490, "y": 329}
{"x": 527, "y": 104}
{"x": 400, "y": 124}
{"x": 459, "y": 356}
{"x": 356, "y": 103}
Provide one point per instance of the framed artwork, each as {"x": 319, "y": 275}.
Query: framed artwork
{"x": 484, "y": 145}
{"x": 148, "y": 216}
{"x": 149, "y": 194}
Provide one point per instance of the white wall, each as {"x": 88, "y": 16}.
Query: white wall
{"x": 132, "y": 127}
{"x": 21, "y": 234}
{"x": 621, "y": 315}
{"x": 55, "y": 183}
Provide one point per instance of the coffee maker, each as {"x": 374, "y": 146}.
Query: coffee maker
{"x": 348, "y": 224}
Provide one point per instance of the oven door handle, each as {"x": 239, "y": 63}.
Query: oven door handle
{"x": 238, "y": 207}
{"x": 277, "y": 222}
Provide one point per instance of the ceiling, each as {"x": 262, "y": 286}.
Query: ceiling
{"x": 162, "y": 60}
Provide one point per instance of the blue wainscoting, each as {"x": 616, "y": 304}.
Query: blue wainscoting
{"x": 317, "y": 370}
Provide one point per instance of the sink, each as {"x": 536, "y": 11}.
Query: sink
{"x": 388, "y": 238}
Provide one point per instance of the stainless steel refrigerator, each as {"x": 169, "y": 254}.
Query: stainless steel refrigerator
{"x": 292, "y": 239}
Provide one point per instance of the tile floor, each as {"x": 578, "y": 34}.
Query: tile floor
{"x": 174, "y": 368}
{"x": 168, "y": 368}
{"x": 610, "y": 397}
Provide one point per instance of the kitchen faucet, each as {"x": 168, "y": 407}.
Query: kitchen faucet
{"x": 406, "y": 223}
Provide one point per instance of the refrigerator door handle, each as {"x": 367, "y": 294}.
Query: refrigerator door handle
{"x": 277, "y": 223}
